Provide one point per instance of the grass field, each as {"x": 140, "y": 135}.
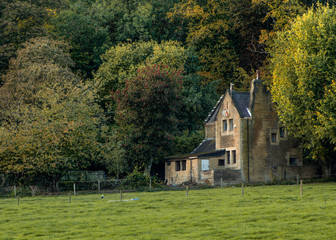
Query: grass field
{"x": 265, "y": 212}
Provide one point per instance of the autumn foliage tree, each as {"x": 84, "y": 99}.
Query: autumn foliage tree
{"x": 49, "y": 121}
{"x": 303, "y": 87}
{"x": 146, "y": 111}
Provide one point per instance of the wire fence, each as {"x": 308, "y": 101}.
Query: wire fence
{"x": 117, "y": 185}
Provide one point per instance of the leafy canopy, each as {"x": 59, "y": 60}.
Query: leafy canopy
{"x": 146, "y": 114}
{"x": 304, "y": 70}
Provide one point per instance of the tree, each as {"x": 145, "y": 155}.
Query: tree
{"x": 122, "y": 61}
{"x": 304, "y": 69}
{"x": 146, "y": 114}
{"x": 56, "y": 134}
{"x": 41, "y": 61}
{"x": 88, "y": 37}
{"x": 21, "y": 21}
{"x": 141, "y": 20}
{"x": 225, "y": 36}
{"x": 50, "y": 123}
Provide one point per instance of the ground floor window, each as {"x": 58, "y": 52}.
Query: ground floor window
{"x": 177, "y": 166}
{"x": 205, "y": 165}
{"x": 221, "y": 162}
{"x": 184, "y": 165}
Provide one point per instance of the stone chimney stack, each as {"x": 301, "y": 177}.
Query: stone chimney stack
{"x": 231, "y": 88}
{"x": 257, "y": 89}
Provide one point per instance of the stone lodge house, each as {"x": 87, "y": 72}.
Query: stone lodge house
{"x": 244, "y": 142}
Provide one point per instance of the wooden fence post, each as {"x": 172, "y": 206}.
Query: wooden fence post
{"x": 120, "y": 195}
{"x": 221, "y": 182}
{"x": 74, "y": 188}
{"x": 301, "y": 188}
{"x": 150, "y": 184}
{"x": 187, "y": 190}
{"x": 14, "y": 191}
{"x": 297, "y": 179}
{"x": 242, "y": 189}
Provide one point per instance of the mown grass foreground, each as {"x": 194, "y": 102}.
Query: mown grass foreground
{"x": 264, "y": 212}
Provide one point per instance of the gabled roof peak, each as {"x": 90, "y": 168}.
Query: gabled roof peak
{"x": 241, "y": 101}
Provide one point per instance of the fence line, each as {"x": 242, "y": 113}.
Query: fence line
{"x": 115, "y": 186}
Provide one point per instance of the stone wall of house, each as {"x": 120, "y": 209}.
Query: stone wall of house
{"x": 269, "y": 160}
{"x": 226, "y": 176}
{"x": 230, "y": 139}
{"x": 210, "y": 130}
{"x": 191, "y": 173}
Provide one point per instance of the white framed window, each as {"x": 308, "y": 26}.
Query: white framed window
{"x": 205, "y": 165}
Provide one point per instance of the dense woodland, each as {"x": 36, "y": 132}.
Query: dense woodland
{"x": 120, "y": 84}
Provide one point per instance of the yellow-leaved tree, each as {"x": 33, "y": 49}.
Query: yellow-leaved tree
{"x": 303, "y": 86}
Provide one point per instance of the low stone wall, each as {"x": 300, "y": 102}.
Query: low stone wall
{"x": 228, "y": 176}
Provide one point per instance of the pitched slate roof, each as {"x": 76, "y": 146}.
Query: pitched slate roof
{"x": 241, "y": 100}
{"x": 212, "y": 115}
{"x": 207, "y": 145}
{"x": 207, "y": 148}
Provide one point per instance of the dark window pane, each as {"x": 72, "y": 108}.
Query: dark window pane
{"x": 224, "y": 125}
{"x": 184, "y": 165}
{"x": 231, "y": 124}
{"x": 234, "y": 156}
{"x": 177, "y": 166}
{"x": 292, "y": 161}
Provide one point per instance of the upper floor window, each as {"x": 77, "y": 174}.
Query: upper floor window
{"x": 273, "y": 137}
{"x": 225, "y": 125}
{"x": 234, "y": 158}
{"x": 221, "y": 162}
{"x": 282, "y": 132}
{"x": 230, "y": 124}
{"x": 228, "y": 160}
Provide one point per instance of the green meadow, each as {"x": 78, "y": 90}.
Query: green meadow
{"x": 263, "y": 212}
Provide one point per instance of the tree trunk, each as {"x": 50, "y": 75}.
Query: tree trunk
{"x": 149, "y": 167}
{"x": 33, "y": 189}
